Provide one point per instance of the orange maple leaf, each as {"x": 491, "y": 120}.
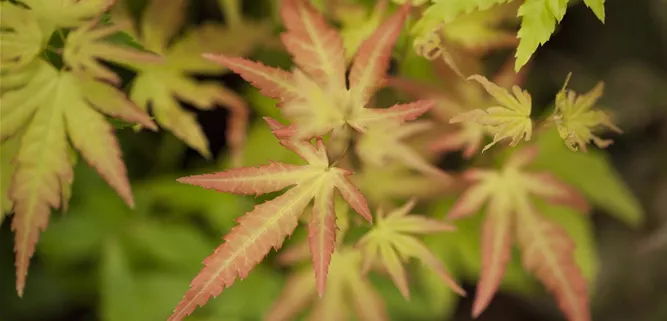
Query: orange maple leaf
{"x": 547, "y": 250}
{"x": 269, "y": 223}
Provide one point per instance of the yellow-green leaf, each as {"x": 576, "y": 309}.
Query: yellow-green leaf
{"x": 53, "y": 104}
{"x": 509, "y": 120}
{"x": 598, "y": 8}
{"x": 576, "y": 119}
{"x": 537, "y": 25}
{"x": 21, "y": 38}
{"x": 67, "y": 13}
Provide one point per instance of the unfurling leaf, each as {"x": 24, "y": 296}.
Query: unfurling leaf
{"x": 509, "y": 120}
{"x": 508, "y": 193}
{"x": 269, "y": 223}
{"x": 392, "y": 240}
{"x": 53, "y": 106}
{"x": 576, "y": 120}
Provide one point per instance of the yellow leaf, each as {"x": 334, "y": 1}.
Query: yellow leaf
{"x": 576, "y": 120}
{"x": 52, "y": 105}
{"x": 509, "y": 120}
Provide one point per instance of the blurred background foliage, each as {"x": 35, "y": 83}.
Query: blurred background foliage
{"x": 102, "y": 261}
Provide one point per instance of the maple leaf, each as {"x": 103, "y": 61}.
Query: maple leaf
{"x": 87, "y": 44}
{"x": 509, "y": 120}
{"x": 347, "y": 288}
{"x": 381, "y": 143}
{"x": 475, "y": 29}
{"x": 538, "y": 23}
{"x": 269, "y": 223}
{"x": 162, "y": 86}
{"x": 67, "y": 13}
{"x": 53, "y": 106}
{"x": 576, "y": 121}
{"x": 21, "y": 36}
{"x": 392, "y": 240}
{"x": 547, "y": 250}
{"x": 315, "y": 97}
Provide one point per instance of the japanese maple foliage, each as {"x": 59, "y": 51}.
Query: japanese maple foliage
{"x": 547, "y": 250}
{"x": 315, "y": 98}
{"x": 267, "y": 225}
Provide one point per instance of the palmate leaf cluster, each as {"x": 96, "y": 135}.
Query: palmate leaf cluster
{"x": 58, "y": 91}
{"x": 361, "y": 176}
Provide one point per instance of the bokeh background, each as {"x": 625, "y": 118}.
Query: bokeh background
{"x": 101, "y": 261}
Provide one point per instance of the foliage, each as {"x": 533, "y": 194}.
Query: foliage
{"x": 337, "y": 135}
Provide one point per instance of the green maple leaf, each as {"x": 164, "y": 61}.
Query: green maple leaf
{"x": 162, "y": 86}
{"x": 53, "y": 106}
{"x": 539, "y": 19}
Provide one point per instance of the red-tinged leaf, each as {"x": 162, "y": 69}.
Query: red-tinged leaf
{"x": 281, "y": 131}
{"x": 298, "y": 292}
{"x": 265, "y": 227}
{"x": 317, "y": 48}
{"x": 271, "y": 82}
{"x": 496, "y": 252}
{"x": 547, "y": 251}
{"x": 36, "y": 184}
{"x": 372, "y": 61}
{"x": 93, "y": 137}
{"x": 398, "y": 114}
{"x": 253, "y": 180}
{"x": 472, "y": 199}
{"x": 555, "y": 191}
{"x": 353, "y": 196}
{"x": 469, "y": 138}
{"x": 549, "y": 254}
{"x": 269, "y": 223}
{"x": 322, "y": 235}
